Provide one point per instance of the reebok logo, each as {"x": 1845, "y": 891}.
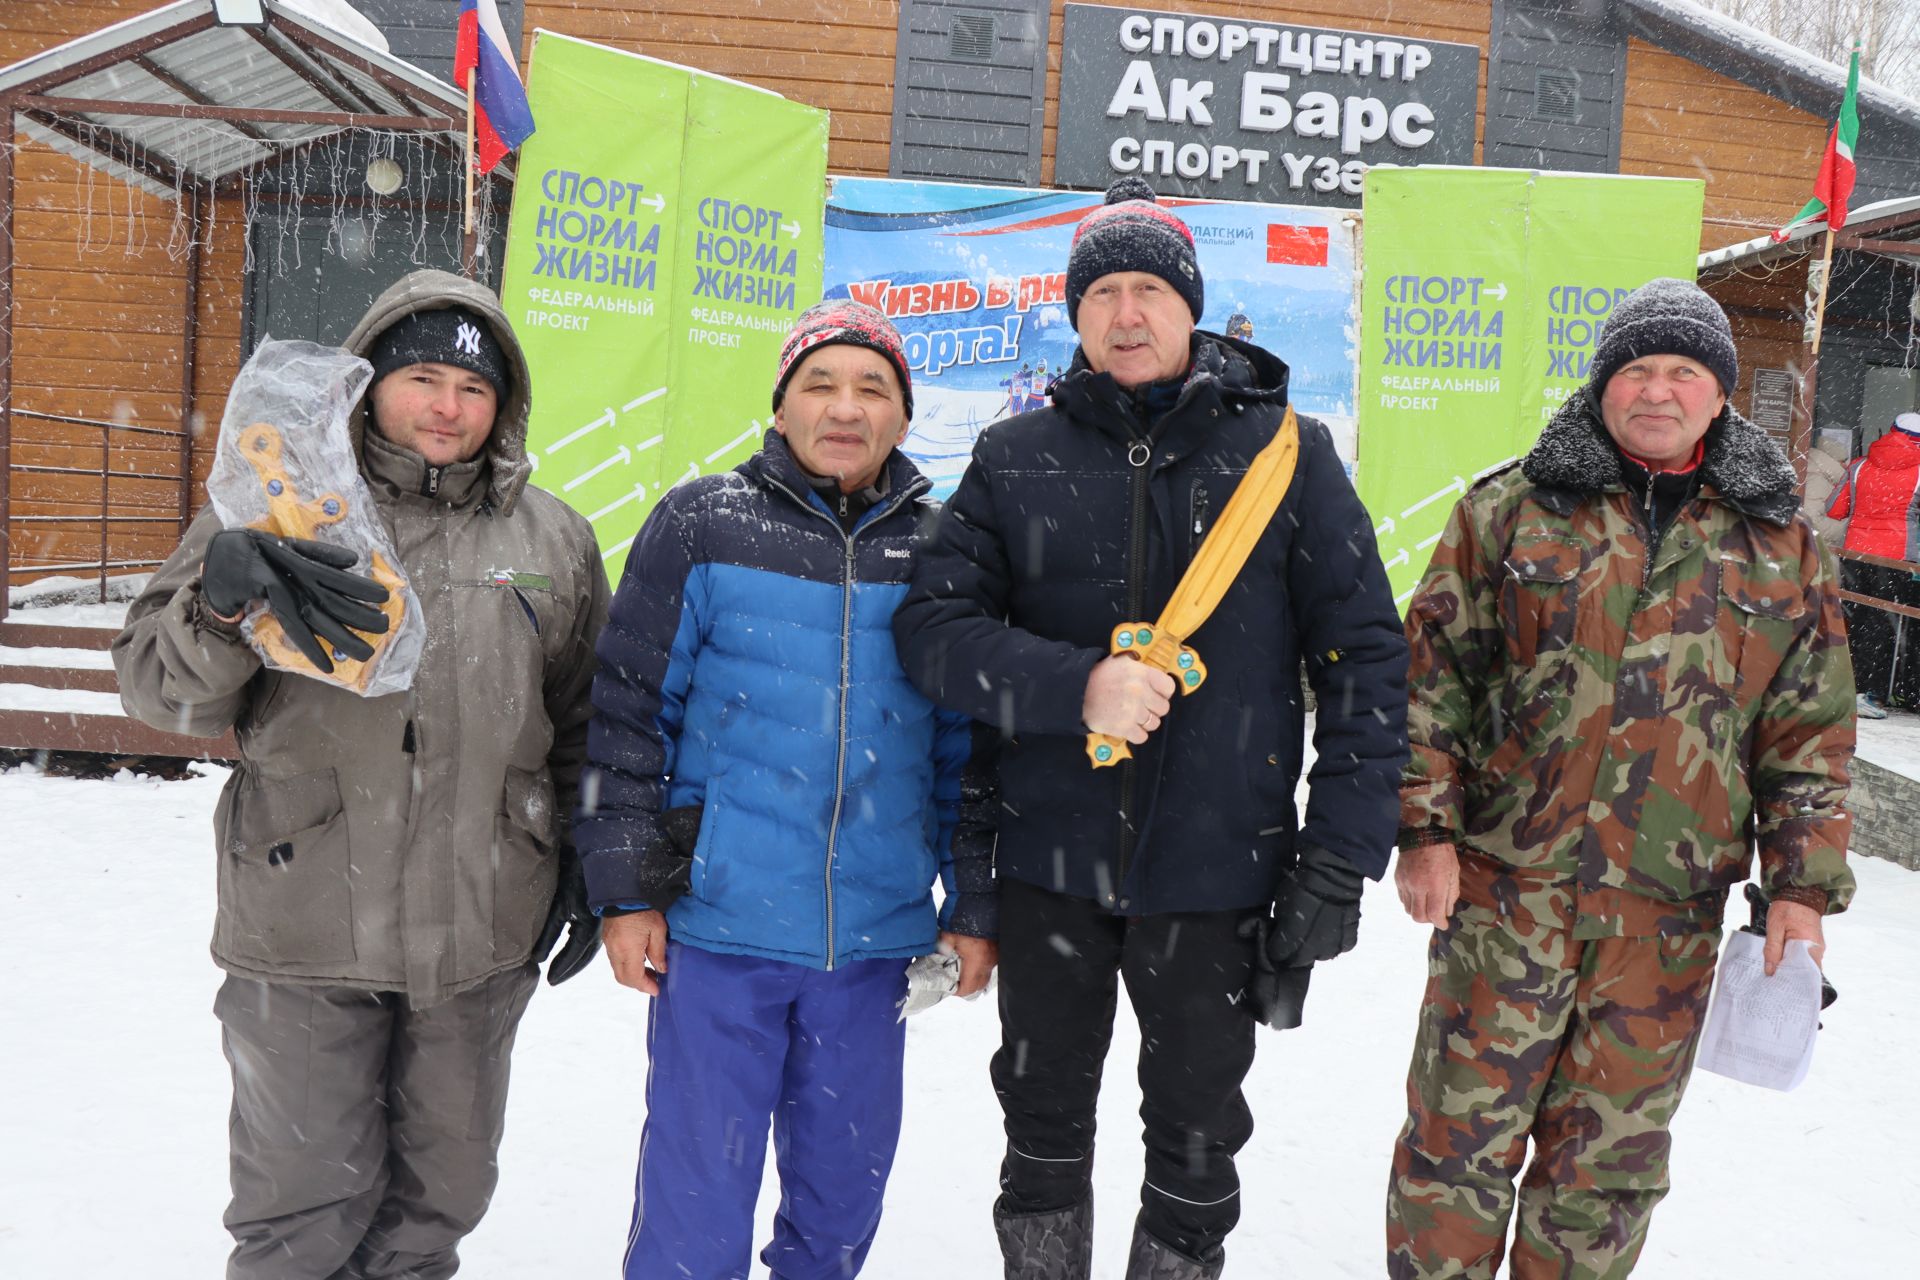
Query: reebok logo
{"x": 467, "y": 339}
{"x": 898, "y": 553}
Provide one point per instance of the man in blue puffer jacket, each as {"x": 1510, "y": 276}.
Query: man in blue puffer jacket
{"x": 767, "y": 804}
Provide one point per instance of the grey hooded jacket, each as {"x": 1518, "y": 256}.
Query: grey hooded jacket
{"x": 405, "y": 842}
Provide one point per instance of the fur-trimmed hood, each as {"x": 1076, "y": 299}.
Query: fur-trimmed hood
{"x": 1742, "y": 464}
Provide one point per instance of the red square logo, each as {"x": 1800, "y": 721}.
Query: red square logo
{"x": 1296, "y": 246}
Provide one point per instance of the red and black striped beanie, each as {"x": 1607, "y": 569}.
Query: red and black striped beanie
{"x": 1131, "y": 232}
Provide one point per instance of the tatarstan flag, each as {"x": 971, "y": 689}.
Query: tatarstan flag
{"x": 1835, "y": 183}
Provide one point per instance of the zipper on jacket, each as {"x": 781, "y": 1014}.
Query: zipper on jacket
{"x": 1141, "y": 448}
{"x": 846, "y": 667}
{"x": 430, "y": 484}
{"x": 1201, "y": 510}
{"x": 840, "y": 751}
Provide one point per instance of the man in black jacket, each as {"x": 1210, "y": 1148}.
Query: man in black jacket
{"x": 1073, "y": 519}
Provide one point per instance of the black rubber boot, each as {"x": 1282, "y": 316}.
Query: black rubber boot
{"x": 1152, "y": 1260}
{"x": 1055, "y": 1245}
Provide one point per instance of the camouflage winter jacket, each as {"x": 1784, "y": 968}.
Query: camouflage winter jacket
{"x": 1605, "y": 727}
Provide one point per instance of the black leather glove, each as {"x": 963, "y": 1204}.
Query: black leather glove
{"x": 1275, "y": 996}
{"x": 569, "y": 911}
{"x": 1316, "y": 913}
{"x": 666, "y": 872}
{"x": 304, "y": 583}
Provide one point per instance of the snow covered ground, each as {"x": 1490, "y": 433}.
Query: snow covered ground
{"x": 113, "y": 1094}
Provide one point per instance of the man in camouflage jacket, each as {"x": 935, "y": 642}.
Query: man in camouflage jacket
{"x": 1629, "y": 667}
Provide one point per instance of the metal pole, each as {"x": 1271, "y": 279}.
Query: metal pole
{"x": 106, "y": 474}
{"x": 6, "y": 345}
{"x": 189, "y": 351}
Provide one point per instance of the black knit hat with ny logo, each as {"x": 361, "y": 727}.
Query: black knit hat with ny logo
{"x": 447, "y": 335}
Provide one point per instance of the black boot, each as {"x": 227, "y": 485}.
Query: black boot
{"x": 1054, "y": 1245}
{"x": 1152, "y": 1260}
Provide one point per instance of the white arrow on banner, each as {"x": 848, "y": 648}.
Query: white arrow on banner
{"x": 616, "y": 549}
{"x": 638, "y": 491}
{"x": 604, "y": 420}
{"x": 1495, "y": 290}
{"x": 1384, "y": 528}
{"x": 1458, "y": 486}
{"x": 753, "y": 430}
{"x": 792, "y": 229}
{"x": 656, "y": 203}
{"x": 637, "y": 401}
{"x": 1422, "y": 546}
{"x": 1399, "y": 559}
{"x": 584, "y": 476}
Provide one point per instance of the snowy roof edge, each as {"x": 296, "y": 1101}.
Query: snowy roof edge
{"x": 1734, "y": 253}
{"x": 1816, "y": 79}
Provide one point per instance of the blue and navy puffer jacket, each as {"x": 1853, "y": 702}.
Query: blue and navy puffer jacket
{"x": 748, "y": 667}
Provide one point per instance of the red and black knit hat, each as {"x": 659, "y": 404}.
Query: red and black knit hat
{"x": 843, "y": 320}
{"x": 1133, "y": 233}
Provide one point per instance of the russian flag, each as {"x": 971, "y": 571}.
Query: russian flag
{"x": 502, "y": 118}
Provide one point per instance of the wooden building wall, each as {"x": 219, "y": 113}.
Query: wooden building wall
{"x": 836, "y": 54}
{"x": 1757, "y": 154}
{"x": 99, "y": 293}
{"x": 100, "y": 278}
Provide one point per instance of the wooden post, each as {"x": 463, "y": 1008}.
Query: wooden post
{"x": 189, "y": 349}
{"x": 469, "y": 247}
{"x": 6, "y": 343}
{"x": 1807, "y": 373}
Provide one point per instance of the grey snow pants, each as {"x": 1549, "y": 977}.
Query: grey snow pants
{"x": 364, "y": 1131}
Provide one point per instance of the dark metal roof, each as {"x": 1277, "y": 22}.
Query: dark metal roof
{"x": 170, "y": 97}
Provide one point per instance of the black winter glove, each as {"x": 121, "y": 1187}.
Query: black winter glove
{"x": 569, "y": 911}
{"x": 304, "y": 583}
{"x": 1316, "y": 913}
{"x": 1275, "y": 996}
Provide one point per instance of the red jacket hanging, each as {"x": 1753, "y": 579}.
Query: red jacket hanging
{"x": 1881, "y": 498}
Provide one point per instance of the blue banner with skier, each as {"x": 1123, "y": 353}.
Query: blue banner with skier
{"x": 975, "y": 280}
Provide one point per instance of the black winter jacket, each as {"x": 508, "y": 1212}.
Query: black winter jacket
{"x": 1053, "y": 538}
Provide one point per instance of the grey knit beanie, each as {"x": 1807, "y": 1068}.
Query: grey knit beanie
{"x": 1666, "y": 317}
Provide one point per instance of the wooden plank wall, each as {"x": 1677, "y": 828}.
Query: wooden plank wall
{"x": 100, "y": 279}
{"x": 1757, "y": 154}
{"x": 836, "y": 54}
{"x": 99, "y": 290}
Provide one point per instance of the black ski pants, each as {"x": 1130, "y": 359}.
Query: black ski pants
{"x": 1871, "y": 633}
{"x": 1061, "y": 962}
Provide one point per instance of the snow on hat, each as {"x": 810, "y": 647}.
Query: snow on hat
{"x": 1131, "y": 232}
{"x": 447, "y": 335}
{"x": 843, "y": 320}
{"x": 1666, "y": 317}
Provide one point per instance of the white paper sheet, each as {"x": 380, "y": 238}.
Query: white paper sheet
{"x": 1760, "y": 1030}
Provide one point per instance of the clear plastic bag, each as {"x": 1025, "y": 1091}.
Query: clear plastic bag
{"x": 285, "y": 463}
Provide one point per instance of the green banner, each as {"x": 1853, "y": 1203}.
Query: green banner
{"x": 666, "y": 229}
{"x": 1482, "y": 294}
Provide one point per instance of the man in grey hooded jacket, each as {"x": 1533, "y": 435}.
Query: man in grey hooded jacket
{"x": 391, "y": 869}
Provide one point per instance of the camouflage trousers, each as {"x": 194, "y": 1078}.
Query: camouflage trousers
{"x": 1582, "y": 1046}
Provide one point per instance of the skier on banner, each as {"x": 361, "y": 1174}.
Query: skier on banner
{"x": 392, "y": 869}
{"x": 1182, "y": 871}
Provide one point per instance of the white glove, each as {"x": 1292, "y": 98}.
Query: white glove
{"x": 930, "y": 979}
